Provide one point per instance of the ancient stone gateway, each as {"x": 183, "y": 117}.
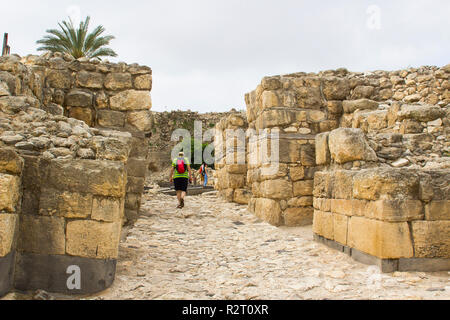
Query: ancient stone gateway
{"x": 67, "y": 185}
{"x": 362, "y": 156}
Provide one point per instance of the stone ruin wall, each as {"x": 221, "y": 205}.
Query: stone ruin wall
{"x": 165, "y": 123}
{"x": 231, "y": 172}
{"x": 68, "y": 185}
{"x": 376, "y": 142}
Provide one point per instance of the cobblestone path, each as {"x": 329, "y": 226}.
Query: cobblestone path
{"x": 218, "y": 250}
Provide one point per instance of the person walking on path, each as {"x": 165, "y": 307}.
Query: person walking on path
{"x": 181, "y": 175}
{"x": 204, "y": 174}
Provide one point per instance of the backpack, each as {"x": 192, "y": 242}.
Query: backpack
{"x": 181, "y": 165}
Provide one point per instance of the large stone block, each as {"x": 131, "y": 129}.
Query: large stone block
{"x": 137, "y": 167}
{"x": 9, "y": 192}
{"x": 108, "y": 118}
{"x": 8, "y": 227}
{"x": 65, "y": 204}
{"x": 276, "y": 189}
{"x": 269, "y": 99}
{"x": 323, "y": 185}
{"x": 83, "y": 114}
{"x": 79, "y": 98}
{"x": 343, "y": 184}
{"x": 140, "y": 120}
{"x": 104, "y": 178}
{"x": 143, "y": 82}
{"x": 384, "y": 240}
{"x": 438, "y": 210}
{"x": 118, "y": 81}
{"x": 323, "y": 155}
{"x": 59, "y": 79}
{"x": 268, "y": 210}
{"x": 10, "y": 161}
{"x": 242, "y": 196}
{"x": 351, "y": 106}
{"x": 92, "y": 239}
{"x": 301, "y": 202}
{"x": 340, "y": 228}
{"x": 135, "y": 184}
{"x": 383, "y": 183}
{"x": 395, "y": 210}
{"x": 92, "y": 80}
{"x": 303, "y": 188}
{"x": 349, "y": 145}
{"x": 431, "y": 239}
{"x": 323, "y": 224}
{"x": 44, "y": 235}
{"x": 434, "y": 185}
{"x": 335, "y": 88}
{"x": 107, "y": 209}
{"x": 131, "y": 100}
{"x": 297, "y": 217}
{"x": 342, "y": 206}
{"x": 422, "y": 113}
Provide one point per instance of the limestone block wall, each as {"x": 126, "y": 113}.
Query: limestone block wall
{"x": 231, "y": 166}
{"x": 397, "y": 218}
{"x": 103, "y": 95}
{"x": 11, "y": 166}
{"x": 64, "y": 188}
{"x": 404, "y": 113}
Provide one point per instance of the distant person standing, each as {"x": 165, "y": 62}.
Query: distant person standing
{"x": 181, "y": 175}
{"x": 204, "y": 174}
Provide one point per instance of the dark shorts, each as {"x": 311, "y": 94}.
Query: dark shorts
{"x": 181, "y": 184}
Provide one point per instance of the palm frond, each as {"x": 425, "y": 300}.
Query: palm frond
{"x": 77, "y": 41}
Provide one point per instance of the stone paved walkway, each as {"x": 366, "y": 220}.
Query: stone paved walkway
{"x": 218, "y": 250}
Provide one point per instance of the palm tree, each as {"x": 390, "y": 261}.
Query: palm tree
{"x": 77, "y": 42}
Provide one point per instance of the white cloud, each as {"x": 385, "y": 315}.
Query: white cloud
{"x": 206, "y": 54}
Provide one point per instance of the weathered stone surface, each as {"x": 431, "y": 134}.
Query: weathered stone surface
{"x": 143, "y": 82}
{"x": 83, "y": 114}
{"x": 351, "y": 106}
{"x": 343, "y": 184}
{"x": 65, "y": 204}
{"x": 10, "y": 161}
{"x": 111, "y": 149}
{"x": 276, "y": 189}
{"x": 92, "y": 80}
{"x": 301, "y": 202}
{"x": 44, "y": 235}
{"x": 438, "y": 210}
{"x": 434, "y": 185}
{"x": 323, "y": 224}
{"x": 137, "y": 167}
{"x": 118, "y": 81}
{"x": 382, "y": 183}
{"x": 135, "y": 184}
{"x": 268, "y": 210}
{"x": 395, "y": 210}
{"x": 342, "y": 206}
{"x": 303, "y": 188}
{"x": 9, "y": 192}
{"x": 431, "y": 239}
{"x": 340, "y": 228}
{"x": 108, "y": 118}
{"x": 8, "y": 227}
{"x": 107, "y": 209}
{"x": 269, "y": 99}
{"x": 335, "y": 88}
{"x": 323, "y": 155}
{"x": 381, "y": 239}
{"x": 423, "y": 113}
{"x": 59, "y": 79}
{"x": 131, "y": 100}
{"x": 104, "y": 178}
{"x": 323, "y": 185}
{"x": 141, "y": 120}
{"x": 92, "y": 239}
{"x": 349, "y": 145}
{"x": 297, "y": 217}
{"x": 241, "y": 196}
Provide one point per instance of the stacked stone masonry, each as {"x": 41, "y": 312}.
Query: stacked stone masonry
{"x": 378, "y": 145}
{"x": 231, "y": 161}
{"x": 73, "y": 160}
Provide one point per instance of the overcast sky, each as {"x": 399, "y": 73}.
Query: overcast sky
{"x": 206, "y": 54}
